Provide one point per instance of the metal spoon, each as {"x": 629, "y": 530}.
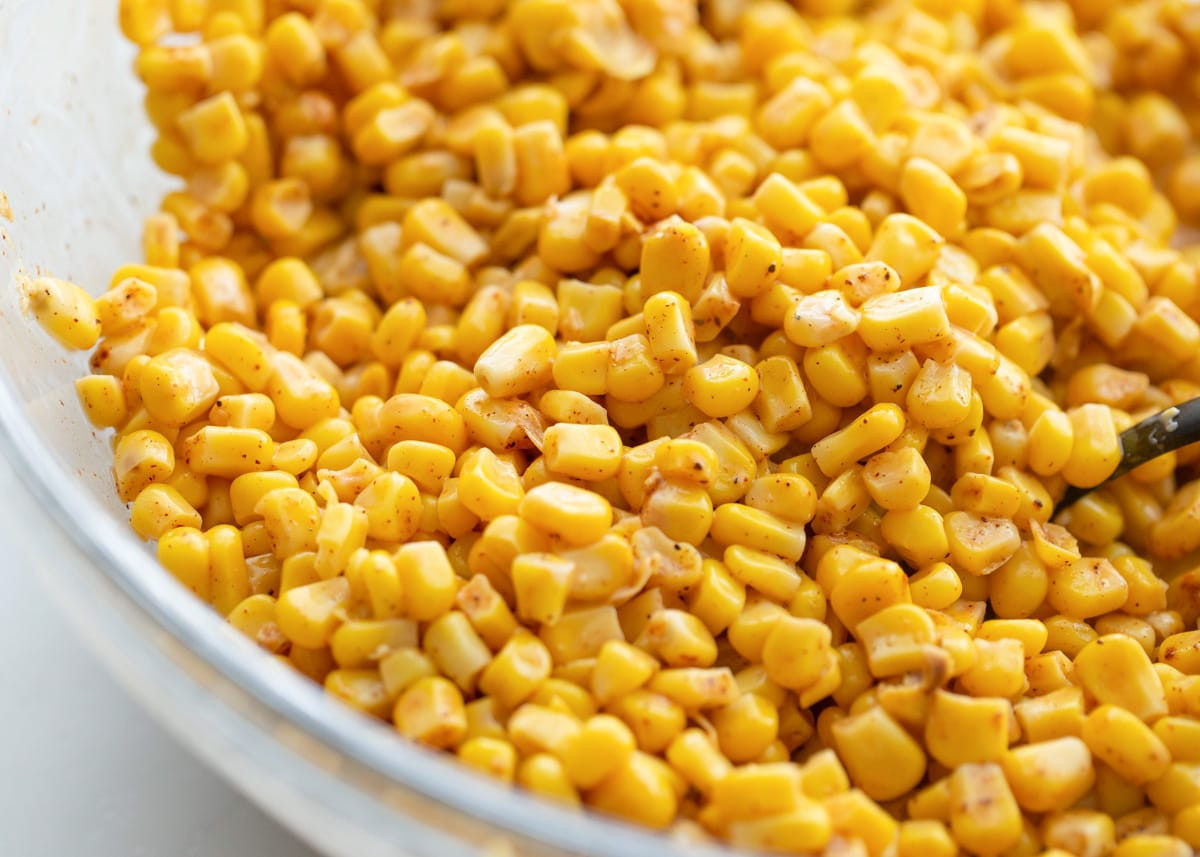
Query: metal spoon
{"x": 1158, "y": 434}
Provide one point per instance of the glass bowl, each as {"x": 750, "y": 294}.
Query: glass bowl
{"x": 75, "y": 182}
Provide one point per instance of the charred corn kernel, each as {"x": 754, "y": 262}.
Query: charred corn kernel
{"x": 863, "y": 739}
{"x": 431, "y": 711}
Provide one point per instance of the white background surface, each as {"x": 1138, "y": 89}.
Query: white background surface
{"x": 84, "y": 773}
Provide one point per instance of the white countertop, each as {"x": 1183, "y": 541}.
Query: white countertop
{"x": 84, "y": 772}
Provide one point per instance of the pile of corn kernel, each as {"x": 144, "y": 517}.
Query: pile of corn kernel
{"x": 663, "y": 407}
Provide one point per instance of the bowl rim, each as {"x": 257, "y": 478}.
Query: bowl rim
{"x": 299, "y": 702}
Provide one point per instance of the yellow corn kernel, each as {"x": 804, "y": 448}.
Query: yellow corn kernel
{"x": 863, "y": 739}
{"x": 896, "y": 639}
{"x": 962, "y": 729}
{"x": 1086, "y": 587}
{"x": 675, "y": 258}
{"x": 1122, "y": 741}
{"x": 669, "y": 329}
{"x": 752, "y": 259}
{"x": 678, "y": 639}
{"x": 516, "y": 363}
{"x": 984, "y": 815}
{"x": 694, "y": 755}
{"x": 869, "y": 433}
{"x": 979, "y": 545}
{"x": 402, "y": 668}
{"x": 309, "y": 615}
{"x": 426, "y": 578}
{"x": 738, "y": 524}
{"x": 917, "y": 534}
{"x": 431, "y": 711}
{"x": 894, "y": 321}
{"x": 159, "y": 508}
{"x": 574, "y": 514}
{"x": 820, "y": 319}
{"x": 940, "y": 396}
{"x": 488, "y": 486}
{"x": 897, "y": 479}
{"x": 785, "y": 208}
{"x": 1096, "y": 450}
{"x": 1049, "y": 776}
{"x": 227, "y": 451}
{"x": 591, "y": 453}
{"x": 1116, "y": 670}
{"x": 721, "y": 386}
{"x": 542, "y": 169}
{"x": 602, "y": 746}
{"x": 214, "y": 129}
{"x": 745, "y": 727}
{"x": 932, "y": 196}
{"x": 65, "y": 311}
{"x": 936, "y": 586}
{"x": 517, "y": 670}
{"x": 492, "y": 756}
{"x": 103, "y": 400}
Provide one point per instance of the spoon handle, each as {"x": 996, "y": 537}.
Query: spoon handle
{"x": 1158, "y": 434}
